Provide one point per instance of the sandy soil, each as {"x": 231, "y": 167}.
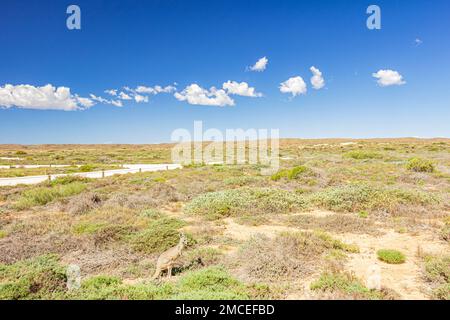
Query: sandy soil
{"x": 406, "y": 279}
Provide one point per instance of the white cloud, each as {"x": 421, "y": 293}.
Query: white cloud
{"x": 418, "y": 42}
{"x": 139, "y": 98}
{"x": 47, "y": 97}
{"x": 116, "y": 103}
{"x": 154, "y": 90}
{"x": 124, "y": 96}
{"x": 260, "y": 65}
{"x": 86, "y": 103}
{"x": 194, "y": 94}
{"x": 295, "y": 86}
{"x": 112, "y": 92}
{"x": 240, "y": 89}
{"x": 388, "y": 78}
{"x": 317, "y": 80}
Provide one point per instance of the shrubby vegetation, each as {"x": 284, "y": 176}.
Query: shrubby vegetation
{"x": 437, "y": 271}
{"x": 420, "y": 165}
{"x": 359, "y": 197}
{"x": 391, "y": 256}
{"x": 43, "y": 195}
{"x": 362, "y": 155}
{"x": 236, "y": 202}
{"x": 159, "y": 236}
{"x": 345, "y": 284}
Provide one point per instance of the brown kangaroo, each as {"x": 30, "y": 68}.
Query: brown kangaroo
{"x": 167, "y": 259}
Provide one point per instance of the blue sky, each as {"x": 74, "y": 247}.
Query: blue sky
{"x": 148, "y": 43}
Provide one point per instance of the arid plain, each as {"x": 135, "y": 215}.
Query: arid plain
{"x": 341, "y": 219}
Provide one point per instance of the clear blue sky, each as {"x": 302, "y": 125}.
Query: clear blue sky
{"x": 132, "y": 43}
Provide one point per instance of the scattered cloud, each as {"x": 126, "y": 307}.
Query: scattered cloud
{"x": 46, "y": 97}
{"x": 418, "y": 42}
{"x": 116, "y": 103}
{"x": 295, "y": 86}
{"x": 155, "y": 90}
{"x": 112, "y": 92}
{"x": 139, "y": 98}
{"x": 317, "y": 80}
{"x": 388, "y": 78}
{"x": 194, "y": 94}
{"x": 240, "y": 89}
{"x": 124, "y": 96}
{"x": 260, "y": 65}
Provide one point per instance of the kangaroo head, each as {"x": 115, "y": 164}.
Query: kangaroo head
{"x": 183, "y": 239}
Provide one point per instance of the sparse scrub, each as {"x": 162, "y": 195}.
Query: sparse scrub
{"x": 362, "y": 155}
{"x": 340, "y": 223}
{"x": 83, "y": 203}
{"x": 212, "y": 283}
{"x": 67, "y": 180}
{"x": 391, "y": 256}
{"x": 236, "y": 202}
{"x": 289, "y": 255}
{"x": 38, "y": 278}
{"x": 358, "y": 197}
{"x": 43, "y": 195}
{"x": 345, "y": 285}
{"x": 240, "y": 181}
{"x": 420, "y": 165}
{"x": 437, "y": 271}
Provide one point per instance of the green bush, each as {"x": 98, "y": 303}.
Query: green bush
{"x": 290, "y": 174}
{"x": 86, "y": 168}
{"x": 346, "y": 284}
{"x": 159, "y": 236}
{"x": 362, "y": 155}
{"x": 111, "y": 288}
{"x": 391, "y": 256}
{"x": 64, "y": 180}
{"x": 44, "y": 195}
{"x": 38, "y": 278}
{"x": 420, "y": 165}
{"x": 212, "y": 283}
{"x": 216, "y": 205}
{"x": 364, "y": 197}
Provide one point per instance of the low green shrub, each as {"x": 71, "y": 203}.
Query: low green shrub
{"x": 216, "y": 205}
{"x": 64, "y": 180}
{"x": 160, "y": 235}
{"x": 420, "y": 165}
{"x": 363, "y": 214}
{"x": 86, "y": 168}
{"x": 38, "y": 278}
{"x": 391, "y": 256}
{"x": 362, "y": 155}
{"x": 212, "y": 283}
{"x": 43, "y": 195}
{"x": 290, "y": 174}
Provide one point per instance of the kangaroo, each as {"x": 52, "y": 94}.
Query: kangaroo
{"x": 167, "y": 259}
